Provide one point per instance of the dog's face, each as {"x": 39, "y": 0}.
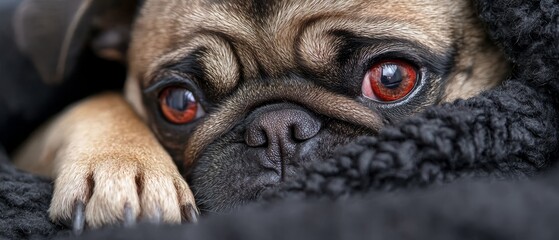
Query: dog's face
{"x": 247, "y": 93}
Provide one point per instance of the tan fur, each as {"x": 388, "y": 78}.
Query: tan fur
{"x": 175, "y": 29}
{"x": 313, "y": 97}
{"x": 100, "y": 153}
{"x": 102, "y": 141}
{"x": 433, "y": 23}
{"x": 436, "y": 24}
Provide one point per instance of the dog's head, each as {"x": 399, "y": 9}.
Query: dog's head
{"x": 247, "y": 93}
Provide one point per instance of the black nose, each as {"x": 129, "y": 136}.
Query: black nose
{"x": 279, "y": 133}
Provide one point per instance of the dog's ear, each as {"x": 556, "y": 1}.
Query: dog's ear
{"x": 53, "y": 33}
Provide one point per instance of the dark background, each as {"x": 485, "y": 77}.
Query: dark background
{"x": 25, "y": 101}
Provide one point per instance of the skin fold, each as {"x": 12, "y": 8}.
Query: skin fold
{"x": 276, "y": 86}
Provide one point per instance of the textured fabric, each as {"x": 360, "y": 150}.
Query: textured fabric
{"x": 463, "y": 210}
{"x": 24, "y": 199}
{"x": 528, "y": 32}
{"x": 483, "y": 154}
{"x": 503, "y": 133}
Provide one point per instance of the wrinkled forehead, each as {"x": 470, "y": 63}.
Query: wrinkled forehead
{"x": 267, "y": 12}
{"x": 272, "y": 26}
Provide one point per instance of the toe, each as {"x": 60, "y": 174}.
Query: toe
{"x": 69, "y": 189}
{"x": 115, "y": 197}
{"x": 159, "y": 199}
{"x": 186, "y": 200}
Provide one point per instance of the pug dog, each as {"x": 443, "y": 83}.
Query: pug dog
{"x": 241, "y": 95}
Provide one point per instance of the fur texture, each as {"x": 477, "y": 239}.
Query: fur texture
{"x": 312, "y": 56}
{"x": 108, "y": 189}
{"x": 509, "y": 132}
{"x": 270, "y": 114}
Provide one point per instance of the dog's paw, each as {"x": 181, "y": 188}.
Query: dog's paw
{"x": 113, "y": 191}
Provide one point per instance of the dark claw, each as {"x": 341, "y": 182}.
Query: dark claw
{"x": 191, "y": 214}
{"x": 129, "y": 219}
{"x": 157, "y": 219}
{"x": 78, "y": 218}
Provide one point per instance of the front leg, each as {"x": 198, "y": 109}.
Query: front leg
{"x": 103, "y": 157}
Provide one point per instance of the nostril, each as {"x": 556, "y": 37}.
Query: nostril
{"x": 276, "y": 135}
{"x": 255, "y": 137}
{"x": 283, "y": 127}
{"x": 305, "y": 129}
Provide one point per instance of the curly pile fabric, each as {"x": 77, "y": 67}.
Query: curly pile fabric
{"x": 502, "y": 134}
{"x": 482, "y": 168}
{"x": 24, "y": 199}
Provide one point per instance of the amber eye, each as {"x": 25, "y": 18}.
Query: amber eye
{"x": 389, "y": 80}
{"x": 179, "y": 105}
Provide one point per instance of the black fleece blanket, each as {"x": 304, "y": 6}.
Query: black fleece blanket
{"x": 482, "y": 168}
